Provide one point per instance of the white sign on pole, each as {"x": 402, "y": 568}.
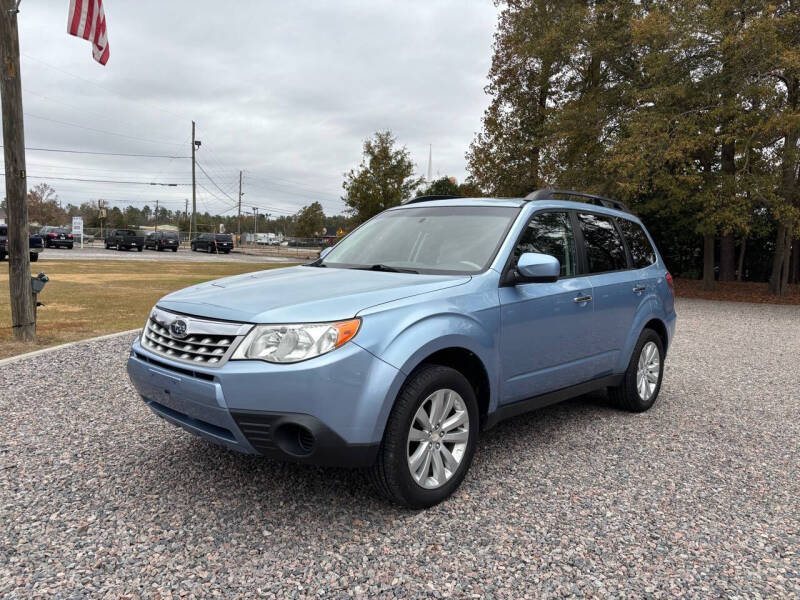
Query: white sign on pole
{"x": 77, "y": 227}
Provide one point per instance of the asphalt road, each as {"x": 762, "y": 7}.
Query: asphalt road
{"x": 98, "y": 252}
{"x": 697, "y": 498}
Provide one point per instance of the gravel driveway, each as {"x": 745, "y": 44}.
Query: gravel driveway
{"x": 700, "y": 497}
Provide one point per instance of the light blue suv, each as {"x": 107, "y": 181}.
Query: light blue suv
{"x": 429, "y": 322}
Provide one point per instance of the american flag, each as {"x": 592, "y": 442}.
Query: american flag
{"x": 87, "y": 20}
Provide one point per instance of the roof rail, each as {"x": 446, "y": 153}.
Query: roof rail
{"x": 429, "y": 198}
{"x": 550, "y": 193}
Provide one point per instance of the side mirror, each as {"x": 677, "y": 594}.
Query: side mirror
{"x": 325, "y": 251}
{"x": 535, "y": 267}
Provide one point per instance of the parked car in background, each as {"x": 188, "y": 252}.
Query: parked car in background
{"x": 124, "y": 239}
{"x": 56, "y": 237}
{"x": 212, "y": 242}
{"x": 429, "y": 322}
{"x": 35, "y": 244}
{"x": 162, "y": 240}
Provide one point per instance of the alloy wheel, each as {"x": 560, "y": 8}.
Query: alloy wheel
{"x": 648, "y": 371}
{"x": 437, "y": 438}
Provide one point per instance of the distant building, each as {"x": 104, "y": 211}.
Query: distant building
{"x": 2, "y": 216}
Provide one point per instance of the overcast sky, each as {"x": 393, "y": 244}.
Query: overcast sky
{"x": 286, "y": 91}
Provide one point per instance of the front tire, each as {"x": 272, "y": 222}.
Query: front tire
{"x": 429, "y": 440}
{"x": 642, "y": 380}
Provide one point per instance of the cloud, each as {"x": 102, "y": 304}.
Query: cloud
{"x": 286, "y": 91}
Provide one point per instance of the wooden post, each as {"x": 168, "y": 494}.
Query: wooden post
{"x": 23, "y": 310}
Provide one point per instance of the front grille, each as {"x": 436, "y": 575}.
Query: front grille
{"x": 202, "y": 341}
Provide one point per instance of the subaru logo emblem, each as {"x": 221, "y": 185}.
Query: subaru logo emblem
{"x": 178, "y": 328}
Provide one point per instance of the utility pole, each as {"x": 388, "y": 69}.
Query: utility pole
{"x": 239, "y": 217}
{"x": 193, "y": 221}
{"x": 156, "y": 229}
{"x": 23, "y": 306}
{"x": 255, "y": 224}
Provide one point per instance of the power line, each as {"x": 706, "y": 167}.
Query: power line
{"x": 94, "y": 83}
{"x": 214, "y": 182}
{"x": 66, "y": 151}
{"x": 130, "y": 137}
{"x": 103, "y": 180}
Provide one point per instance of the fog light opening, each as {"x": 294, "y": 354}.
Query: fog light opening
{"x": 294, "y": 439}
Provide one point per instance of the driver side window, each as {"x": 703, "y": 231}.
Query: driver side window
{"x": 550, "y": 233}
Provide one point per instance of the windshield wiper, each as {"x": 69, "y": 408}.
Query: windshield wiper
{"x": 386, "y": 268}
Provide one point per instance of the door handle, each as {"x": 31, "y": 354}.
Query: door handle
{"x": 639, "y": 288}
{"x": 580, "y": 299}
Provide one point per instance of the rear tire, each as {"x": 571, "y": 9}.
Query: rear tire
{"x": 139, "y": 248}
{"x": 174, "y": 249}
{"x": 642, "y": 380}
{"x": 34, "y": 257}
{"x": 392, "y": 472}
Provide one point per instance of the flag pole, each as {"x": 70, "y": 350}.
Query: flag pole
{"x": 23, "y": 312}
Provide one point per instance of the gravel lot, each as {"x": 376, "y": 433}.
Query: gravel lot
{"x": 698, "y": 497}
{"x": 183, "y": 255}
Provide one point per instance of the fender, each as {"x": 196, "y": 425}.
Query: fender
{"x": 647, "y": 311}
{"x": 412, "y": 342}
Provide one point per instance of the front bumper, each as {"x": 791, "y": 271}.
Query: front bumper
{"x": 329, "y": 410}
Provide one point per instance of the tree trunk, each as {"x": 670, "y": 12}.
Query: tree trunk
{"x": 795, "y": 272}
{"x": 727, "y": 258}
{"x": 740, "y": 271}
{"x": 780, "y": 262}
{"x": 708, "y": 262}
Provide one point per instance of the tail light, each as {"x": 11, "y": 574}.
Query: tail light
{"x": 70, "y": 236}
{"x": 670, "y": 283}
{"x": 52, "y": 235}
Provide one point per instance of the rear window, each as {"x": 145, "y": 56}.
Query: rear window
{"x": 642, "y": 252}
{"x": 170, "y": 235}
{"x": 603, "y": 244}
{"x": 223, "y": 238}
{"x": 60, "y": 230}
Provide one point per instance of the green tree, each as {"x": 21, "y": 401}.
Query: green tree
{"x": 445, "y": 186}
{"x": 310, "y": 220}
{"x": 526, "y": 79}
{"x": 384, "y": 178}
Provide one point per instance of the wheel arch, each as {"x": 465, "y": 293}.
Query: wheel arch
{"x": 470, "y": 366}
{"x": 645, "y": 319}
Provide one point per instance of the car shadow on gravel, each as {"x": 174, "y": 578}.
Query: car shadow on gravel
{"x": 186, "y": 470}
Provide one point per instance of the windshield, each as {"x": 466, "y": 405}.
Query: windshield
{"x": 460, "y": 239}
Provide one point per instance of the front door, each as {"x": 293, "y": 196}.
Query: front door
{"x": 546, "y": 327}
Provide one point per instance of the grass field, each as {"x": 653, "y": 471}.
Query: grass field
{"x": 91, "y": 298}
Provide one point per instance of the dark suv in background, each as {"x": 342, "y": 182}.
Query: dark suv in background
{"x": 162, "y": 240}
{"x": 56, "y": 237}
{"x": 212, "y": 242}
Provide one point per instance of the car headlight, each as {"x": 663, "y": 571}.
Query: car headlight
{"x": 293, "y": 343}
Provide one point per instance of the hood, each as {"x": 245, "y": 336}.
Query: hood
{"x": 301, "y": 294}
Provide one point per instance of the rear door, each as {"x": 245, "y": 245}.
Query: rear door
{"x": 642, "y": 255}
{"x": 545, "y": 327}
{"x": 616, "y": 295}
